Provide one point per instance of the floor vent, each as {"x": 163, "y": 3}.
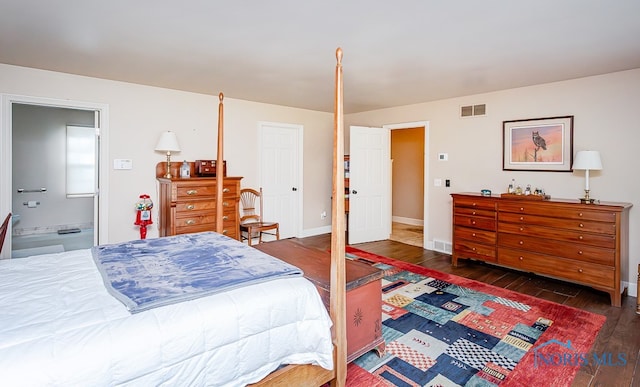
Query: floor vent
{"x": 473, "y": 110}
{"x": 442, "y": 246}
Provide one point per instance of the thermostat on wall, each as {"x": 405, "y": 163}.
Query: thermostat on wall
{"x": 443, "y": 156}
{"x": 122, "y": 164}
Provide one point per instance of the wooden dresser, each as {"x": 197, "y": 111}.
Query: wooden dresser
{"x": 189, "y": 205}
{"x": 364, "y": 292}
{"x": 565, "y": 239}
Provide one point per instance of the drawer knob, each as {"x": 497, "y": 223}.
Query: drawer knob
{"x": 521, "y": 228}
{"x": 190, "y": 221}
{"x": 521, "y": 242}
{"x": 474, "y": 204}
{"x": 521, "y": 208}
{"x": 581, "y": 225}
{"x": 225, "y": 217}
{"x": 580, "y": 214}
{"x": 473, "y": 235}
{"x": 579, "y": 270}
{"x": 224, "y": 232}
{"x": 579, "y": 252}
{"x": 190, "y": 206}
{"x": 192, "y": 192}
{"x": 521, "y": 258}
{"x": 473, "y": 213}
{"x": 225, "y": 204}
{"x": 522, "y": 218}
{"x": 580, "y": 237}
{"x": 225, "y": 190}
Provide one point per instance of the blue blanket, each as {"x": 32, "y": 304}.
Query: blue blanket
{"x": 149, "y": 273}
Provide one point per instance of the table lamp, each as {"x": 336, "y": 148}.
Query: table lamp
{"x": 168, "y": 142}
{"x": 588, "y": 161}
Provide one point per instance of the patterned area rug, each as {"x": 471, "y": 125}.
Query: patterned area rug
{"x": 445, "y": 330}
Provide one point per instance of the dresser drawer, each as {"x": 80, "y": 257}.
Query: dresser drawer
{"x": 607, "y": 241}
{"x": 230, "y": 191}
{"x": 475, "y": 222}
{"x": 475, "y": 235}
{"x": 478, "y": 203}
{"x": 469, "y": 249}
{"x": 558, "y": 248}
{"x": 583, "y": 272}
{"x": 189, "y": 191}
{"x": 195, "y": 219}
{"x": 557, "y": 211}
{"x": 559, "y": 223}
{"x": 189, "y": 206}
{"x": 475, "y": 212}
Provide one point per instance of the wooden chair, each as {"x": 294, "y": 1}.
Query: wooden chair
{"x": 3, "y": 230}
{"x": 251, "y": 222}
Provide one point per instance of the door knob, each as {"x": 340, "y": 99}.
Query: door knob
{"x": 354, "y": 192}
{"x": 294, "y": 189}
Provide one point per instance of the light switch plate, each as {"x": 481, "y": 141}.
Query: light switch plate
{"x": 122, "y": 164}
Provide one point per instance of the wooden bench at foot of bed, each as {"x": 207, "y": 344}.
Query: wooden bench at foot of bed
{"x": 364, "y": 292}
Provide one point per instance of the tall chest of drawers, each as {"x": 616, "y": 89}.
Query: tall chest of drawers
{"x": 564, "y": 239}
{"x": 189, "y": 205}
{"x": 474, "y": 228}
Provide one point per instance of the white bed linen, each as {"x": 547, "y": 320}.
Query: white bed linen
{"x": 60, "y": 327}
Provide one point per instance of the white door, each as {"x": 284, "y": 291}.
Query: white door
{"x": 280, "y": 167}
{"x": 369, "y": 184}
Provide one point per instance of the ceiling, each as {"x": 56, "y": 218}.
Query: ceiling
{"x": 283, "y": 51}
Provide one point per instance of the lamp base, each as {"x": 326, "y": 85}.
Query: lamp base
{"x": 586, "y": 199}
{"x": 168, "y": 174}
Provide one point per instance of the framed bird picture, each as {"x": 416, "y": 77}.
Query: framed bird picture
{"x": 538, "y": 144}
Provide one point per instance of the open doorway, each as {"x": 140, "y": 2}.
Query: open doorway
{"x": 407, "y": 187}
{"x": 38, "y": 137}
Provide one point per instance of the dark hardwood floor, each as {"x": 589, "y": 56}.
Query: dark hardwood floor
{"x": 619, "y": 335}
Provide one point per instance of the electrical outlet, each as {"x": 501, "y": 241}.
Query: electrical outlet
{"x": 323, "y": 214}
{"x": 447, "y": 183}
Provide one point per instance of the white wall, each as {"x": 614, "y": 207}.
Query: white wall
{"x": 605, "y": 119}
{"x": 137, "y": 116}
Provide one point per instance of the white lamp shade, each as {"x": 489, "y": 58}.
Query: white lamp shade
{"x": 168, "y": 142}
{"x": 587, "y": 160}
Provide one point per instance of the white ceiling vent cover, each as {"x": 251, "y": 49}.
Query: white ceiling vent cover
{"x": 473, "y": 110}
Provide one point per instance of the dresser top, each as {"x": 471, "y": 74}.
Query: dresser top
{"x": 551, "y": 200}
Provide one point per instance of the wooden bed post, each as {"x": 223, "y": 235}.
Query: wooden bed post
{"x": 337, "y": 302}
{"x": 307, "y": 374}
{"x": 220, "y": 166}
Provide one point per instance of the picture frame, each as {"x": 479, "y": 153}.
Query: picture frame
{"x": 538, "y": 144}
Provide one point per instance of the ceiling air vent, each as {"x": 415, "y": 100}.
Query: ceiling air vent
{"x": 473, "y": 110}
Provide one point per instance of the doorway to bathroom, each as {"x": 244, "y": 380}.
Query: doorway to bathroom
{"x": 53, "y": 148}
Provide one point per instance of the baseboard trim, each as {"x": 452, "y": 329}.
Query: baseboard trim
{"x": 411, "y": 221}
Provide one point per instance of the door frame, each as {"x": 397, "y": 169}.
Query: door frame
{"x": 100, "y": 213}
{"x": 426, "y": 241}
{"x": 297, "y": 227}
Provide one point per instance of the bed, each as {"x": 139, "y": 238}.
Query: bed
{"x": 64, "y": 323}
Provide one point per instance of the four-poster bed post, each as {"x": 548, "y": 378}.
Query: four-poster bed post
{"x": 220, "y": 166}
{"x": 338, "y": 301}
{"x": 313, "y": 375}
